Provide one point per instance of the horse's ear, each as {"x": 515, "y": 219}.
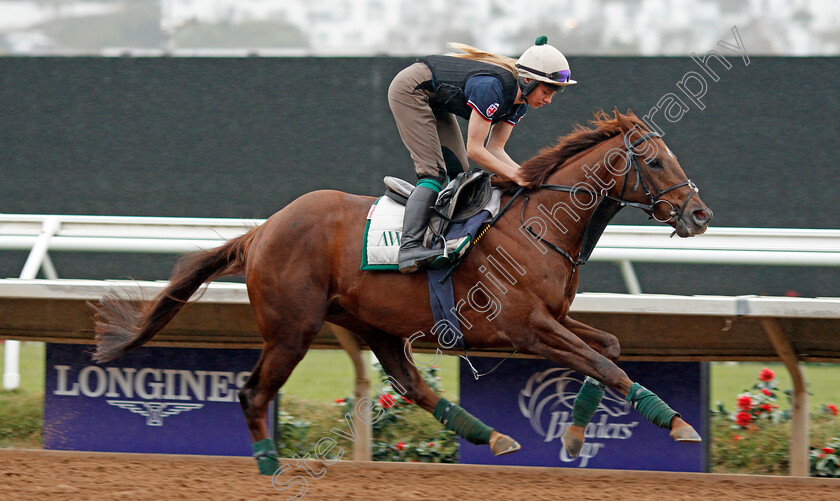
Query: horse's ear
{"x": 631, "y": 114}
{"x": 623, "y": 121}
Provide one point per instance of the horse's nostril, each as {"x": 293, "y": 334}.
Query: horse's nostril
{"x": 700, "y": 215}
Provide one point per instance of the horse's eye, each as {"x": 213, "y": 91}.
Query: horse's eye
{"x": 654, "y": 164}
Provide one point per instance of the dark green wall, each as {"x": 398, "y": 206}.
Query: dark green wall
{"x": 242, "y": 137}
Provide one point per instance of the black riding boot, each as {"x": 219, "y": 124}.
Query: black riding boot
{"x": 413, "y": 255}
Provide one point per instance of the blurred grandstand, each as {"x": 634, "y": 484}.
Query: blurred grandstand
{"x": 407, "y": 27}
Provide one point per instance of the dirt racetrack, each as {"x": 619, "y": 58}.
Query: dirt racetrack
{"x": 33, "y": 474}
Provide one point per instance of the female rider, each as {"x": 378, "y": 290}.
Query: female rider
{"x": 493, "y": 93}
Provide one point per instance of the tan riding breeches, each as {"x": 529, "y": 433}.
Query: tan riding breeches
{"x": 423, "y": 132}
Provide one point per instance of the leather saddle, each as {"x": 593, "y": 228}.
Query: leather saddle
{"x": 464, "y": 197}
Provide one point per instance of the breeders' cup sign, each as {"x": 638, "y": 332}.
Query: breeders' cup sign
{"x": 164, "y": 400}
{"x": 551, "y": 393}
{"x": 532, "y": 401}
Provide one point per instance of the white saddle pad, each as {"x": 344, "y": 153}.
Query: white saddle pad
{"x": 383, "y": 233}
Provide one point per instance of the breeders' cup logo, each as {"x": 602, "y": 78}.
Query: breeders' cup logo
{"x": 547, "y": 401}
{"x": 161, "y": 392}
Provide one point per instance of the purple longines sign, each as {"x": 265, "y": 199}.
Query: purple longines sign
{"x": 163, "y": 400}
{"x": 531, "y": 400}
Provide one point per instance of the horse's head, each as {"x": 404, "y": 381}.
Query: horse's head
{"x": 649, "y": 176}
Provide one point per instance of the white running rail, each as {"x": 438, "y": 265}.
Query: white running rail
{"x": 623, "y": 245}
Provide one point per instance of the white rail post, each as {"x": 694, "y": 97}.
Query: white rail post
{"x": 37, "y": 257}
{"x": 362, "y": 448}
{"x": 799, "y": 441}
{"x": 38, "y": 254}
{"x": 630, "y": 279}
{"x": 48, "y": 268}
{"x": 11, "y": 373}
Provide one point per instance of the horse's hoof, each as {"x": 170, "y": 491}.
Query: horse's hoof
{"x": 686, "y": 434}
{"x": 503, "y": 444}
{"x": 265, "y": 452}
{"x": 267, "y": 464}
{"x": 572, "y": 443}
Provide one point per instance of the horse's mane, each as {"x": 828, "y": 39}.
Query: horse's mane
{"x": 537, "y": 169}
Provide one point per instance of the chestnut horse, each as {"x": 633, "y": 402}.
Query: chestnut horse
{"x": 302, "y": 268}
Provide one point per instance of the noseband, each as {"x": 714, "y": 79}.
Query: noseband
{"x": 654, "y": 195}
{"x": 648, "y": 185}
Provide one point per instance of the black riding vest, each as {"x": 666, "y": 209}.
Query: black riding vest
{"x": 450, "y": 75}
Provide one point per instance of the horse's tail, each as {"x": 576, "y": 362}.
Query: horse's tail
{"x": 123, "y": 325}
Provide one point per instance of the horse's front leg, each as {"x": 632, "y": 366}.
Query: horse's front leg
{"x": 592, "y": 391}
{"x": 559, "y": 343}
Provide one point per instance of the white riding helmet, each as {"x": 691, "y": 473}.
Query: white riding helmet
{"x": 544, "y": 64}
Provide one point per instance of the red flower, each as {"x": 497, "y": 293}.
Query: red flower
{"x": 387, "y": 401}
{"x": 766, "y": 407}
{"x": 766, "y": 375}
{"x": 821, "y": 456}
{"x": 743, "y": 418}
{"x": 400, "y": 446}
{"x": 431, "y": 444}
{"x": 828, "y": 450}
{"x": 339, "y": 400}
{"x": 737, "y": 437}
{"x": 833, "y": 409}
{"x": 744, "y": 402}
{"x": 767, "y": 392}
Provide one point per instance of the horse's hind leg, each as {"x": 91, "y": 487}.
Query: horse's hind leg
{"x": 392, "y": 354}
{"x": 285, "y": 344}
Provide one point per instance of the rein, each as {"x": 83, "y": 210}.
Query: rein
{"x": 642, "y": 178}
{"x": 519, "y": 191}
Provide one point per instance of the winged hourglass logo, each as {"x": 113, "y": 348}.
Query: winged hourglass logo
{"x": 154, "y": 411}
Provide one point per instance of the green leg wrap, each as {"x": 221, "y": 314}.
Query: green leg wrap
{"x": 265, "y": 452}
{"x": 650, "y": 406}
{"x": 587, "y": 402}
{"x": 455, "y": 418}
